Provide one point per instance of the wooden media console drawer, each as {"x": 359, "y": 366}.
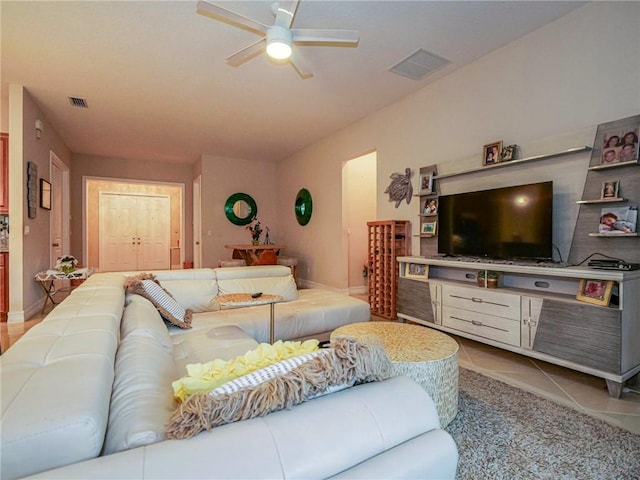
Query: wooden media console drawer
{"x": 482, "y": 300}
{"x": 487, "y": 326}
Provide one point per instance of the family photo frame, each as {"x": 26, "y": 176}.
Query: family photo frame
{"x": 617, "y": 142}
{"x": 491, "y": 153}
{"x": 610, "y": 189}
{"x": 597, "y": 292}
{"x": 430, "y": 206}
{"x": 416, "y": 270}
{"x": 426, "y": 183}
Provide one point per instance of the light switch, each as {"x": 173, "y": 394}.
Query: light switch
{"x": 27, "y": 229}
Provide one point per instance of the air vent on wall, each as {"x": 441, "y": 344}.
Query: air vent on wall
{"x": 419, "y": 64}
{"x": 78, "y": 102}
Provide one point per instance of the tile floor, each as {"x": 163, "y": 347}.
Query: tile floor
{"x": 577, "y": 390}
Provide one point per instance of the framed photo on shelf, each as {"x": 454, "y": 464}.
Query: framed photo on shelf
{"x": 618, "y": 221}
{"x": 416, "y": 270}
{"x": 616, "y": 142}
{"x": 491, "y": 153}
{"x": 45, "y": 194}
{"x": 430, "y": 206}
{"x": 597, "y": 292}
{"x": 426, "y": 183}
{"x": 428, "y": 228}
{"x": 610, "y": 189}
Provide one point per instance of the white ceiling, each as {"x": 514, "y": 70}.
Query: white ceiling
{"x": 157, "y": 85}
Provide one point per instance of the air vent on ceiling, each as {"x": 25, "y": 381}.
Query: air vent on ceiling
{"x": 78, "y": 102}
{"x": 419, "y": 64}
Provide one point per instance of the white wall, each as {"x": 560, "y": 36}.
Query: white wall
{"x": 559, "y": 81}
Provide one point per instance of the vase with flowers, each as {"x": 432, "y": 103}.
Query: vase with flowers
{"x": 255, "y": 229}
{"x": 66, "y": 264}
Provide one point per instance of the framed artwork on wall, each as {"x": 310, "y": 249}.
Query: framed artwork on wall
{"x": 45, "y": 194}
{"x": 32, "y": 189}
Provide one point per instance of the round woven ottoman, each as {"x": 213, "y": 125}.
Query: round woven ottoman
{"x": 427, "y": 356}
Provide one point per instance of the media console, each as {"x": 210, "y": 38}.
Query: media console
{"x": 534, "y": 312}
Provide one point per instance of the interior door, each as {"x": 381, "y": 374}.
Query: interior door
{"x": 117, "y": 232}
{"x": 57, "y": 242}
{"x": 153, "y": 233}
{"x": 134, "y": 232}
{"x": 197, "y": 223}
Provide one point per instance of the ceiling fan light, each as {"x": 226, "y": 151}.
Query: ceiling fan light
{"x": 279, "y": 42}
{"x": 279, "y": 50}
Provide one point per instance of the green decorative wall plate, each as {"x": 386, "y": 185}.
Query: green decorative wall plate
{"x": 303, "y": 206}
{"x": 240, "y": 208}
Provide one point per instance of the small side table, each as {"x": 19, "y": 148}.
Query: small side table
{"x": 47, "y": 280}
{"x": 236, "y": 300}
{"x": 423, "y": 354}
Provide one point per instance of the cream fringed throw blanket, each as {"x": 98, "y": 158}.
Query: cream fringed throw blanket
{"x": 346, "y": 362}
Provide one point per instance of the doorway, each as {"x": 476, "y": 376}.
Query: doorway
{"x": 59, "y": 226}
{"x": 113, "y": 221}
{"x": 359, "y": 207}
{"x": 134, "y": 232}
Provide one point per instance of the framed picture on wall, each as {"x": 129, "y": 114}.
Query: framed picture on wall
{"x": 597, "y": 292}
{"x": 45, "y": 194}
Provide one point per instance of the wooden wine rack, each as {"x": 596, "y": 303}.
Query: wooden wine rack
{"x": 387, "y": 240}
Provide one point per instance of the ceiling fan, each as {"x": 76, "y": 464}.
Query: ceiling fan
{"x": 277, "y": 39}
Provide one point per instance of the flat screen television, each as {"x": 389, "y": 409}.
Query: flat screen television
{"x": 507, "y": 223}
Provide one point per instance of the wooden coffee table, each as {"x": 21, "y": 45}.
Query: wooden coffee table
{"x": 426, "y": 355}
{"x": 237, "y": 300}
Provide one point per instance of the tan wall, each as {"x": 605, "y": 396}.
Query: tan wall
{"x": 29, "y": 252}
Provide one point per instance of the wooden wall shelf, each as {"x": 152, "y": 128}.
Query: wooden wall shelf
{"x": 603, "y": 200}
{"x": 515, "y": 162}
{"x": 613, "y": 165}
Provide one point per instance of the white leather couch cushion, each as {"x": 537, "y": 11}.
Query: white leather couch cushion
{"x": 196, "y": 295}
{"x": 222, "y": 343}
{"x": 141, "y": 318}
{"x": 142, "y": 397}
{"x": 315, "y": 312}
{"x": 56, "y": 386}
{"x": 272, "y": 279}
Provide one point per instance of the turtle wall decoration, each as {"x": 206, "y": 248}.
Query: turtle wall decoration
{"x": 400, "y": 187}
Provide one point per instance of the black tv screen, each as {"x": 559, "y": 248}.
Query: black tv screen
{"x": 502, "y": 223}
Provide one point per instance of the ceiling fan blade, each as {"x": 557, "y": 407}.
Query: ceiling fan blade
{"x": 325, "y": 35}
{"x": 220, "y": 13}
{"x": 285, "y": 11}
{"x": 300, "y": 68}
{"x": 247, "y": 53}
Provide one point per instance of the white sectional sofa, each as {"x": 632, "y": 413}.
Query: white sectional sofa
{"x": 87, "y": 392}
